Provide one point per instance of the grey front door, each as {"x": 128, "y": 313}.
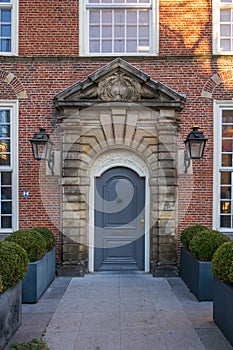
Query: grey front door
{"x": 119, "y": 220}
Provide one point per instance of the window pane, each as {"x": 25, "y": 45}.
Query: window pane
{"x": 6, "y": 30}
{"x": 226, "y": 178}
{"x": 94, "y": 16}
{"x": 6, "y": 178}
{"x": 144, "y": 46}
{"x": 6, "y": 222}
{"x": 132, "y": 17}
{"x": 225, "y": 192}
{"x": 4, "y": 131}
{"x": 227, "y": 145}
{"x": 227, "y": 116}
{"x": 144, "y": 17}
{"x": 6, "y": 207}
{"x": 227, "y": 160}
{"x": 94, "y": 32}
{"x": 4, "y": 159}
{"x": 107, "y": 46}
{"x": 119, "y": 16}
{"x": 107, "y": 32}
{"x": 4, "y": 116}
{"x": 225, "y": 30}
{"x": 225, "y": 207}
{"x": 94, "y": 46}
{"x": 107, "y": 17}
{"x": 119, "y": 46}
{"x": 6, "y": 193}
{"x": 225, "y": 221}
{"x": 119, "y": 32}
{"x": 131, "y": 45}
{"x": 225, "y": 15}
{"x": 227, "y": 131}
{"x": 143, "y": 32}
{"x": 131, "y": 32}
{"x": 5, "y": 45}
{"x": 6, "y": 16}
{"x": 5, "y": 152}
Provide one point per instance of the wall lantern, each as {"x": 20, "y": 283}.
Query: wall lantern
{"x": 42, "y": 148}
{"x": 194, "y": 146}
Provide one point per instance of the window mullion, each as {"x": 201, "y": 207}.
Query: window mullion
{"x": 138, "y": 39}
{"x": 125, "y": 33}
{"x": 113, "y": 30}
{"x": 101, "y": 31}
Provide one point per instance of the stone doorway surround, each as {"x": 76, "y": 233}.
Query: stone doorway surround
{"x": 119, "y": 116}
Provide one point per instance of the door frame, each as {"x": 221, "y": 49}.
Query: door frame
{"x": 106, "y": 161}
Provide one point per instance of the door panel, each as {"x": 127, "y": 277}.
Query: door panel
{"x": 119, "y": 208}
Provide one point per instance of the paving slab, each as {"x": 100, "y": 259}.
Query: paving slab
{"x": 97, "y": 341}
{"x": 121, "y": 311}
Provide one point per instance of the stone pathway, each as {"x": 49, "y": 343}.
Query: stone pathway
{"x": 121, "y": 311}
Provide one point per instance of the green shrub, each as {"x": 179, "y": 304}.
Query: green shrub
{"x": 204, "y": 244}
{"x": 188, "y": 233}
{"x": 13, "y": 264}
{"x": 222, "y": 262}
{"x": 34, "y": 344}
{"x": 31, "y": 241}
{"x": 48, "y": 236}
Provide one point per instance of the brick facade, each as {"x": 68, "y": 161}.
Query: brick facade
{"x": 49, "y": 62}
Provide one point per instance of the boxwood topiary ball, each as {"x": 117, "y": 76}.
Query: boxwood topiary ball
{"x": 188, "y": 233}
{"x": 48, "y": 236}
{"x": 204, "y": 244}
{"x": 222, "y": 262}
{"x": 32, "y": 241}
{"x": 13, "y": 264}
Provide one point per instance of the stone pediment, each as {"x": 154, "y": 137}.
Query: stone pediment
{"x": 119, "y": 81}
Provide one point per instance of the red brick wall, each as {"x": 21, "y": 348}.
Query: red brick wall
{"x": 48, "y": 27}
{"x": 185, "y": 27}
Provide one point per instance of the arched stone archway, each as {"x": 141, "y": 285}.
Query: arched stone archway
{"x": 117, "y": 112}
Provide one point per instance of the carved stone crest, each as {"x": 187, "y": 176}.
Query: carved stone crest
{"x": 119, "y": 87}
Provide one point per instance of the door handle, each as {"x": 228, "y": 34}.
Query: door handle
{"x": 142, "y": 222}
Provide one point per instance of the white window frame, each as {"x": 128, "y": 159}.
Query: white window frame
{"x": 84, "y": 33}
{"x": 218, "y": 107}
{"x": 13, "y": 107}
{"x": 216, "y": 6}
{"x": 13, "y": 5}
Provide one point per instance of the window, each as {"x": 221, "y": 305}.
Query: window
{"x": 8, "y": 27}
{"x": 118, "y": 27}
{"x": 8, "y": 167}
{"x": 223, "y": 26}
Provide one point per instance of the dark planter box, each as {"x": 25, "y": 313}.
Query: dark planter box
{"x": 197, "y": 275}
{"x": 10, "y": 313}
{"x": 223, "y": 308}
{"x": 39, "y": 276}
